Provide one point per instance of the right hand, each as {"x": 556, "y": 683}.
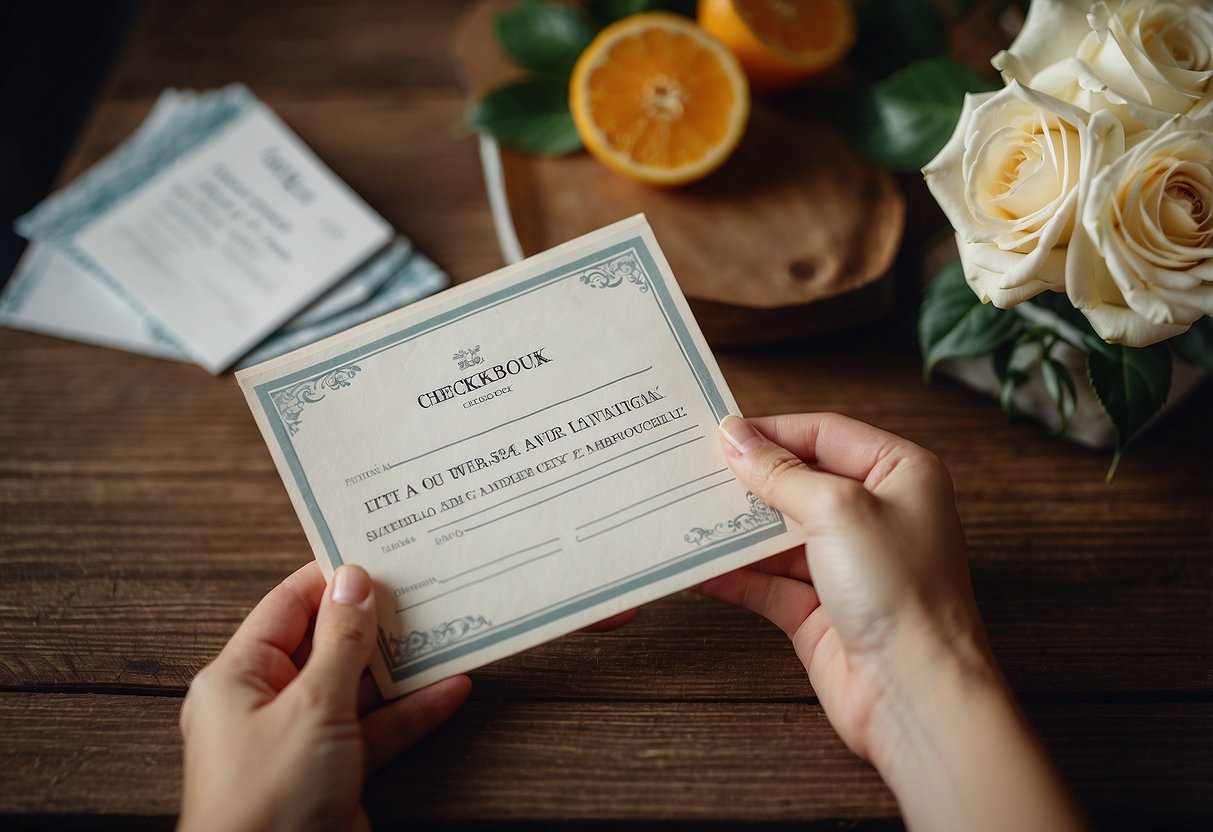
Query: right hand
{"x": 884, "y": 590}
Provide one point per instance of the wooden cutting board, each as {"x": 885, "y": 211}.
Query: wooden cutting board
{"x": 794, "y": 236}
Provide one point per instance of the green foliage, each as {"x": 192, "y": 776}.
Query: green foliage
{"x": 1014, "y": 359}
{"x": 547, "y": 39}
{"x": 544, "y": 38}
{"x": 903, "y": 121}
{"x": 954, "y": 323}
{"x": 1062, "y": 389}
{"x": 532, "y": 116}
{"x": 1131, "y": 384}
{"x": 1059, "y": 304}
{"x": 894, "y": 33}
{"x": 603, "y": 12}
{"x": 1196, "y": 345}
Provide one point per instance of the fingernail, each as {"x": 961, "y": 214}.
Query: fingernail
{"x": 351, "y": 585}
{"x": 739, "y": 433}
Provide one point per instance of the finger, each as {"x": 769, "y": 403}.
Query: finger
{"x": 342, "y": 641}
{"x": 784, "y": 482}
{"x": 838, "y": 444}
{"x": 368, "y": 697}
{"x": 256, "y": 662}
{"x": 612, "y": 623}
{"x": 282, "y": 617}
{"x": 402, "y": 723}
{"x": 789, "y": 564}
{"x": 785, "y": 602}
{"x": 299, "y": 657}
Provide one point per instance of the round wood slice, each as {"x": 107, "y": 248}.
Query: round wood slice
{"x": 794, "y": 236}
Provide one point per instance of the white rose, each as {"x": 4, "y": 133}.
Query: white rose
{"x": 1130, "y": 56}
{"x": 1141, "y": 267}
{"x": 1008, "y": 181}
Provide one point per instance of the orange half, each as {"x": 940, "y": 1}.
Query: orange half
{"x": 781, "y": 42}
{"x": 657, "y": 99}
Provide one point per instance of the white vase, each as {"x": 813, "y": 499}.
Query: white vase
{"x": 1089, "y": 425}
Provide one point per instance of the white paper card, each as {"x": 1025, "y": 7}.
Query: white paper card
{"x": 516, "y": 458}
{"x": 49, "y": 293}
{"x": 234, "y": 238}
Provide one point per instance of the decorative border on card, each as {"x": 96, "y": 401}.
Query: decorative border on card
{"x": 398, "y": 651}
{"x": 593, "y": 272}
{"x": 759, "y": 515}
{"x": 613, "y": 272}
{"x": 291, "y": 401}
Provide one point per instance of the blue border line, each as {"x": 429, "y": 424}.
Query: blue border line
{"x": 577, "y": 603}
{"x": 682, "y": 337}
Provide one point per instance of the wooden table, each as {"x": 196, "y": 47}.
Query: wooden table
{"x": 141, "y": 518}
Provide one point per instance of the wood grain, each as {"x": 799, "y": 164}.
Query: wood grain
{"x": 624, "y": 762}
{"x": 1048, "y": 621}
{"x": 109, "y": 509}
{"x": 141, "y": 517}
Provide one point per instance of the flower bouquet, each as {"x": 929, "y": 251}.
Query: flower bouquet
{"x": 1081, "y": 194}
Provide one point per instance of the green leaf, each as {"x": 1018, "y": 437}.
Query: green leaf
{"x": 1060, "y": 386}
{"x": 542, "y": 37}
{"x": 1010, "y": 377}
{"x": 894, "y": 33}
{"x": 1131, "y": 384}
{"x": 1013, "y": 358}
{"x": 954, "y": 323}
{"x": 1196, "y": 345}
{"x": 903, "y": 121}
{"x": 1007, "y": 374}
{"x": 604, "y": 12}
{"x": 532, "y": 116}
{"x": 1060, "y": 305}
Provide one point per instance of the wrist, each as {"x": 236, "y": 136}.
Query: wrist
{"x": 933, "y": 677}
{"x": 954, "y": 747}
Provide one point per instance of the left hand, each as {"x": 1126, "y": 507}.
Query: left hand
{"x": 280, "y": 730}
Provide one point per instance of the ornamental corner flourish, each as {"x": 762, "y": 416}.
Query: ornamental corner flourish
{"x": 290, "y": 401}
{"x": 398, "y": 651}
{"x": 613, "y": 272}
{"x": 759, "y": 515}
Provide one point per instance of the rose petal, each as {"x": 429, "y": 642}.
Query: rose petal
{"x": 944, "y": 173}
{"x": 1004, "y": 276}
{"x": 1049, "y": 34}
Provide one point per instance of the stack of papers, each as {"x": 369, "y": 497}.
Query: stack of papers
{"x": 212, "y": 235}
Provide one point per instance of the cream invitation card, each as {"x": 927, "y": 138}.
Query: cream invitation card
{"x": 517, "y": 457}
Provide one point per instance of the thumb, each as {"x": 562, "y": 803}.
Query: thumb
{"x": 342, "y": 642}
{"x": 781, "y": 479}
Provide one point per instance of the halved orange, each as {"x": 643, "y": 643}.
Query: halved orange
{"x": 657, "y": 99}
{"x": 781, "y": 42}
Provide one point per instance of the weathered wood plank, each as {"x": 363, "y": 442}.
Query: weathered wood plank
{"x": 135, "y": 542}
{"x": 140, "y": 518}
{"x": 517, "y": 761}
{"x": 1059, "y": 628}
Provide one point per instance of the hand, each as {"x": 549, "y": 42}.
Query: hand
{"x": 880, "y": 610}
{"x": 280, "y": 730}
{"x": 885, "y": 556}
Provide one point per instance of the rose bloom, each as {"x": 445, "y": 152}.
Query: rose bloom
{"x": 1141, "y": 267}
{"x": 1008, "y": 180}
{"x": 1126, "y": 55}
